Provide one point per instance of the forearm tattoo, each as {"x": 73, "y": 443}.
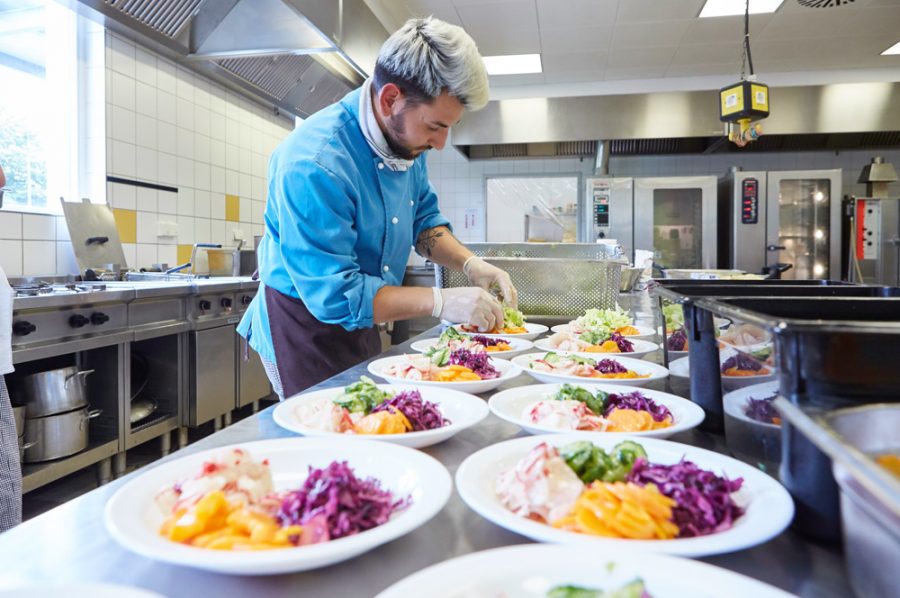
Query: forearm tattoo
{"x": 428, "y": 239}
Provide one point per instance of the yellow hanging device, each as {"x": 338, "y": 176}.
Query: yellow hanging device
{"x": 745, "y": 101}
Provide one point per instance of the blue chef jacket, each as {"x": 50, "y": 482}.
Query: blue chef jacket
{"x": 339, "y": 223}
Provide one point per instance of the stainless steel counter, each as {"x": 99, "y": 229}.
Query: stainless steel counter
{"x": 70, "y": 543}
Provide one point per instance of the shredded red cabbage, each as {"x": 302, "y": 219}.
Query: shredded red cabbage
{"x": 703, "y": 499}
{"x": 677, "y": 341}
{"x": 610, "y": 366}
{"x": 423, "y": 415}
{"x": 335, "y": 503}
{"x": 625, "y": 345}
{"x": 762, "y": 410}
{"x": 741, "y": 361}
{"x": 480, "y": 363}
{"x": 638, "y": 402}
{"x": 489, "y": 342}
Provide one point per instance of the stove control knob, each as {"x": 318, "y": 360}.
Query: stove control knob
{"x": 226, "y": 303}
{"x": 246, "y": 299}
{"x": 23, "y": 328}
{"x": 78, "y": 320}
{"x": 98, "y": 317}
{"x": 204, "y": 305}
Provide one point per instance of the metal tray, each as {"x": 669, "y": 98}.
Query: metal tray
{"x": 870, "y": 496}
{"x": 831, "y": 352}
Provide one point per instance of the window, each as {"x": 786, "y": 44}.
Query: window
{"x": 39, "y": 107}
{"x": 532, "y": 208}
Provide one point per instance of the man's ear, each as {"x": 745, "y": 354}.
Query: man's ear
{"x": 390, "y": 100}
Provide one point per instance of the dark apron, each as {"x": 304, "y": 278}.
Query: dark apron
{"x": 308, "y": 351}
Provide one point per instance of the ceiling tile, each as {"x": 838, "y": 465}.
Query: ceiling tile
{"x": 658, "y": 10}
{"x": 646, "y": 35}
{"x": 574, "y": 61}
{"x": 513, "y": 14}
{"x": 642, "y": 57}
{"x": 802, "y": 24}
{"x": 502, "y": 42}
{"x": 574, "y": 77}
{"x": 723, "y": 29}
{"x": 576, "y": 39}
{"x": 554, "y": 14}
{"x": 709, "y": 54}
{"x": 875, "y": 21}
{"x": 641, "y": 72}
{"x": 505, "y": 80}
{"x": 702, "y": 70}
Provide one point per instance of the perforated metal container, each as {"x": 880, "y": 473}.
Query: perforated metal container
{"x": 552, "y": 279}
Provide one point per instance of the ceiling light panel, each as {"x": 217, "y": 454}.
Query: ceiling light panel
{"x": 895, "y": 49}
{"x": 514, "y": 64}
{"x": 724, "y": 8}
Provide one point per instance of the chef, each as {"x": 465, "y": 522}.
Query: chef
{"x": 10, "y": 470}
{"x": 348, "y": 196}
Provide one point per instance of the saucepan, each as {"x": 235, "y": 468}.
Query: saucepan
{"x": 57, "y": 436}
{"x": 19, "y": 418}
{"x": 54, "y": 391}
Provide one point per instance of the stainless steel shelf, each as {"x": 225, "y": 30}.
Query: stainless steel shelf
{"x": 39, "y": 474}
{"x": 154, "y": 428}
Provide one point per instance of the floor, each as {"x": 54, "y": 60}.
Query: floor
{"x": 72, "y": 486}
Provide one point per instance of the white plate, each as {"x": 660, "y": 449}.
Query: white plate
{"x": 77, "y": 590}
{"x": 734, "y": 402}
{"x": 768, "y": 505}
{"x": 534, "y": 331}
{"x": 644, "y": 332}
{"x": 518, "y": 346}
{"x": 133, "y": 518}
{"x": 462, "y": 409}
{"x": 681, "y": 368}
{"x": 508, "y": 370}
{"x": 511, "y": 405}
{"x": 531, "y": 570}
{"x": 641, "y": 348}
{"x": 657, "y": 372}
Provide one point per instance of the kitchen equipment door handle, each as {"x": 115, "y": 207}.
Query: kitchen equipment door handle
{"x": 96, "y": 240}
{"x": 775, "y": 247}
{"x": 28, "y": 445}
{"x": 82, "y": 374}
{"x": 93, "y": 414}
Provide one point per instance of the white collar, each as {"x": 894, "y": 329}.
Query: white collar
{"x": 373, "y": 134}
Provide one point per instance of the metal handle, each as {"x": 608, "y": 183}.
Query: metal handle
{"x": 93, "y": 414}
{"x": 775, "y": 247}
{"x": 178, "y": 268}
{"x": 81, "y": 374}
{"x": 96, "y": 240}
{"x": 28, "y": 445}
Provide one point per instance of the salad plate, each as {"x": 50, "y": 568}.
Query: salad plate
{"x": 461, "y": 409}
{"x": 644, "y": 332}
{"x": 768, "y": 508}
{"x": 681, "y": 368}
{"x": 508, "y": 370}
{"x": 534, "y": 331}
{"x": 641, "y": 348}
{"x": 517, "y": 346}
{"x": 513, "y": 405}
{"x": 532, "y": 570}
{"x": 134, "y": 519}
{"x": 642, "y": 367}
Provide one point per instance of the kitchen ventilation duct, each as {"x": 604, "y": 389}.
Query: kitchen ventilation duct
{"x": 298, "y": 55}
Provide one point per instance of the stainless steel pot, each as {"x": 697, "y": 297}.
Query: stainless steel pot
{"x": 19, "y": 418}
{"x": 58, "y": 435}
{"x": 54, "y": 391}
{"x": 22, "y": 447}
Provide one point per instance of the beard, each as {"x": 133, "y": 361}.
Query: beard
{"x": 395, "y": 136}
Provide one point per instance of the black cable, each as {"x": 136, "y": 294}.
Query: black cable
{"x": 747, "y": 35}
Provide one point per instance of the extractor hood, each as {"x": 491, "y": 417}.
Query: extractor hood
{"x": 298, "y": 55}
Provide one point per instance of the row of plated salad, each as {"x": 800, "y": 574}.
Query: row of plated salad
{"x": 602, "y": 478}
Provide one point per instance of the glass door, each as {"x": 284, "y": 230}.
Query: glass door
{"x": 532, "y": 209}
{"x": 675, "y": 217}
{"x": 803, "y": 223}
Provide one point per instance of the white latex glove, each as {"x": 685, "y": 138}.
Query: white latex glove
{"x": 471, "y": 305}
{"x": 483, "y": 275}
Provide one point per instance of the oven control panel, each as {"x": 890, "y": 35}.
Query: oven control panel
{"x": 54, "y": 324}
{"x": 749, "y": 201}
{"x": 600, "y": 212}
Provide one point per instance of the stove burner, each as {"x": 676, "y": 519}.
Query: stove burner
{"x": 45, "y": 288}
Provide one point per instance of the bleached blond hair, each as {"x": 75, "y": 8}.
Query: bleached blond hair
{"x": 427, "y": 56}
